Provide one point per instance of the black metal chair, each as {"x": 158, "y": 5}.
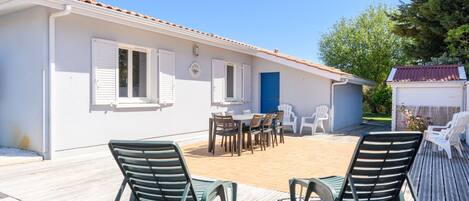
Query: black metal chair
{"x": 377, "y": 171}
{"x": 156, "y": 170}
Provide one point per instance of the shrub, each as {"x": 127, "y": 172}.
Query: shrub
{"x": 414, "y": 122}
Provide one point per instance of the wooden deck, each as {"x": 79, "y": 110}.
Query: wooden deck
{"x": 439, "y": 179}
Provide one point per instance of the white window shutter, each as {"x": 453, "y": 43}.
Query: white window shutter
{"x": 247, "y": 83}
{"x": 239, "y": 82}
{"x": 218, "y": 80}
{"x": 154, "y": 75}
{"x": 167, "y": 67}
{"x": 104, "y": 72}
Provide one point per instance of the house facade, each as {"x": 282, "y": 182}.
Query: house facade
{"x": 79, "y": 73}
{"x": 435, "y": 91}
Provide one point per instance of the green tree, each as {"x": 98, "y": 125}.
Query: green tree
{"x": 364, "y": 46}
{"x": 437, "y": 28}
{"x": 367, "y": 47}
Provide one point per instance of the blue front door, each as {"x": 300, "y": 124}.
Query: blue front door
{"x": 270, "y": 92}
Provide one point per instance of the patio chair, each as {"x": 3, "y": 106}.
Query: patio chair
{"x": 289, "y": 117}
{"x": 267, "y": 130}
{"x": 254, "y": 130}
{"x": 226, "y": 127}
{"x": 278, "y": 126}
{"x": 316, "y": 120}
{"x": 377, "y": 171}
{"x": 449, "y": 135}
{"x": 157, "y": 171}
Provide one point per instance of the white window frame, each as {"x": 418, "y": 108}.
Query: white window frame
{"x": 130, "y": 99}
{"x": 230, "y": 99}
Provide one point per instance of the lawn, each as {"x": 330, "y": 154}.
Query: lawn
{"x": 385, "y": 118}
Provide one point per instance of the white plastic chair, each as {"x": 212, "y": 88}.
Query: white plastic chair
{"x": 450, "y": 134}
{"x": 316, "y": 120}
{"x": 289, "y": 117}
{"x": 246, "y": 111}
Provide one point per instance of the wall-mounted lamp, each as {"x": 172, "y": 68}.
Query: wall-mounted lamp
{"x": 195, "y": 50}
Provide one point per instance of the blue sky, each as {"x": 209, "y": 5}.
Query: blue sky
{"x": 294, "y": 26}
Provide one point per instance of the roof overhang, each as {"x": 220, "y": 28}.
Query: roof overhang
{"x": 299, "y": 66}
{"x": 105, "y": 14}
{"x": 109, "y": 15}
{"x": 358, "y": 80}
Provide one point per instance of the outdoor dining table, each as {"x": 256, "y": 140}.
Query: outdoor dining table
{"x": 240, "y": 120}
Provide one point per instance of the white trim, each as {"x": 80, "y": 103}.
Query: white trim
{"x": 391, "y": 74}
{"x": 462, "y": 73}
{"x": 137, "y": 105}
{"x": 303, "y": 67}
{"x": 428, "y": 84}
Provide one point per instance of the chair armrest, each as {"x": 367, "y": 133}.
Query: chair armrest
{"x": 431, "y": 129}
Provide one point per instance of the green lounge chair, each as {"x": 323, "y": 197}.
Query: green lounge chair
{"x": 157, "y": 171}
{"x": 377, "y": 171}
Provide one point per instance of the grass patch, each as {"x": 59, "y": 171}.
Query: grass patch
{"x": 385, "y": 118}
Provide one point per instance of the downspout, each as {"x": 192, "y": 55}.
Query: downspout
{"x": 332, "y": 102}
{"x": 51, "y": 112}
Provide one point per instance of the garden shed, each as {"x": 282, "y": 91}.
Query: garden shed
{"x": 435, "y": 92}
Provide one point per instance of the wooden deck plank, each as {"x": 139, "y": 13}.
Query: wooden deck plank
{"x": 438, "y": 188}
{"x": 417, "y": 169}
{"x": 462, "y": 169}
{"x": 426, "y": 176}
{"x": 449, "y": 179}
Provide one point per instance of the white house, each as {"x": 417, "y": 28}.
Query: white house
{"x": 76, "y": 73}
{"x": 436, "y": 91}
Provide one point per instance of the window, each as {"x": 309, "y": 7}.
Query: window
{"x": 230, "y": 79}
{"x": 132, "y": 74}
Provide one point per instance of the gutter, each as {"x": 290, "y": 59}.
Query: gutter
{"x": 51, "y": 103}
{"x": 332, "y": 102}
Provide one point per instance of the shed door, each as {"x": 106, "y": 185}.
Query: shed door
{"x": 270, "y": 92}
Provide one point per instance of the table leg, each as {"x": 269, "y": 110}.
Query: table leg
{"x": 210, "y": 132}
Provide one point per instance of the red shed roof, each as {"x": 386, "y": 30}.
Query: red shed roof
{"x": 433, "y": 73}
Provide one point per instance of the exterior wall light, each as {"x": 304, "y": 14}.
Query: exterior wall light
{"x": 195, "y": 50}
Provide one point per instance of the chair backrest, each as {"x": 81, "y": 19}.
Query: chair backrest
{"x": 154, "y": 170}
{"x": 231, "y": 112}
{"x": 256, "y": 121}
{"x": 287, "y": 109}
{"x": 459, "y": 122}
{"x": 279, "y": 117}
{"x": 216, "y": 113}
{"x": 268, "y": 118}
{"x": 224, "y": 122}
{"x": 322, "y": 112}
{"x": 380, "y": 164}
